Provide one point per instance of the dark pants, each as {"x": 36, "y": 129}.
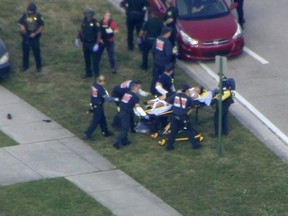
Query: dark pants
{"x": 133, "y": 21}
{"x": 88, "y": 56}
{"x": 110, "y": 52}
{"x": 225, "y": 111}
{"x": 157, "y": 71}
{"x": 117, "y": 122}
{"x": 98, "y": 118}
{"x": 172, "y": 38}
{"x": 146, "y": 47}
{"x": 177, "y": 124}
{"x": 122, "y": 138}
{"x": 34, "y": 44}
{"x": 240, "y": 11}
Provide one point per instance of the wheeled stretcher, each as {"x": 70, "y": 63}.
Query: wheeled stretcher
{"x": 162, "y": 109}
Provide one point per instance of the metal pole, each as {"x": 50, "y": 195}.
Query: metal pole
{"x": 221, "y": 66}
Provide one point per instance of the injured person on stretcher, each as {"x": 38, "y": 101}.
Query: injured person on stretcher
{"x": 159, "y": 111}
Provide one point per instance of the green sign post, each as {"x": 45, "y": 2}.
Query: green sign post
{"x": 221, "y": 63}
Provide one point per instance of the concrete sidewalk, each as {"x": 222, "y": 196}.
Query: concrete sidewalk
{"x": 47, "y": 150}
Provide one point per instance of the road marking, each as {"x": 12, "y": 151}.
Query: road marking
{"x": 250, "y": 107}
{"x": 255, "y": 55}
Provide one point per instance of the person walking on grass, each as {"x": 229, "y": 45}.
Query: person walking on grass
{"x": 98, "y": 97}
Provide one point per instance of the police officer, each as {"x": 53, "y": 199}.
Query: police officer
{"x": 181, "y": 103}
{"x": 135, "y": 13}
{"x": 118, "y": 92}
{"x": 227, "y": 100}
{"x": 108, "y": 29}
{"x": 162, "y": 56}
{"x": 89, "y": 34}
{"x": 240, "y": 12}
{"x": 129, "y": 101}
{"x": 31, "y": 27}
{"x": 151, "y": 29}
{"x": 98, "y": 97}
{"x": 170, "y": 19}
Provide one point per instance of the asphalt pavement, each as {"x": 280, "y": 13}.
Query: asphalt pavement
{"x": 47, "y": 150}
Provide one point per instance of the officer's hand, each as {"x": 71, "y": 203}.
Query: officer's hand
{"x": 175, "y": 50}
{"x": 139, "y": 41}
{"x": 77, "y": 42}
{"x": 95, "y": 48}
{"x": 146, "y": 117}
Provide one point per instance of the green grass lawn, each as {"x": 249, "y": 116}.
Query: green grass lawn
{"x": 5, "y": 140}
{"x": 247, "y": 180}
{"x": 48, "y": 197}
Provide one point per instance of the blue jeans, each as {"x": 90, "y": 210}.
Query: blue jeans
{"x": 110, "y": 52}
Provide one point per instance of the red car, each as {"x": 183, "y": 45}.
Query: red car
{"x": 205, "y": 28}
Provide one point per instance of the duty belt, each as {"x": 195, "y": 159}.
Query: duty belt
{"x": 88, "y": 41}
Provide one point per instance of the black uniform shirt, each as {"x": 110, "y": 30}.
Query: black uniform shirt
{"x": 171, "y": 12}
{"x": 162, "y": 51}
{"x": 90, "y": 31}
{"x": 181, "y": 103}
{"x": 31, "y": 22}
{"x": 134, "y": 5}
{"x": 128, "y": 102}
{"x": 166, "y": 82}
{"x": 152, "y": 28}
{"x": 123, "y": 88}
{"x": 97, "y": 94}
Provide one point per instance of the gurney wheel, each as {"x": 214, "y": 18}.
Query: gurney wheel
{"x": 162, "y": 142}
{"x": 154, "y": 135}
{"x": 199, "y": 137}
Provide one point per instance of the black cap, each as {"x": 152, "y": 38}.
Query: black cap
{"x": 169, "y": 67}
{"x": 185, "y": 87}
{"x": 32, "y": 7}
{"x": 165, "y": 30}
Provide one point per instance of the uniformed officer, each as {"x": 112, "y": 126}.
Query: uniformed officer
{"x": 31, "y": 27}
{"x": 129, "y": 101}
{"x": 108, "y": 29}
{"x": 98, "y": 97}
{"x": 89, "y": 34}
{"x": 227, "y": 100}
{"x": 118, "y": 92}
{"x": 164, "y": 88}
{"x": 164, "y": 85}
{"x": 135, "y": 13}
{"x": 181, "y": 104}
{"x": 170, "y": 19}
{"x": 151, "y": 29}
{"x": 162, "y": 56}
{"x": 240, "y": 12}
